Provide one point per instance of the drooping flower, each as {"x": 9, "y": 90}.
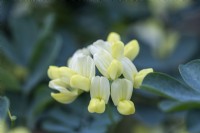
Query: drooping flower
{"x": 100, "y": 93}
{"x": 121, "y": 92}
{"x": 73, "y": 80}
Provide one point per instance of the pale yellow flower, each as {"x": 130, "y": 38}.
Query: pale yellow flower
{"x": 121, "y": 92}
{"x": 100, "y": 93}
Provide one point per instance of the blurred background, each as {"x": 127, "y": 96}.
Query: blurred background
{"x": 37, "y": 33}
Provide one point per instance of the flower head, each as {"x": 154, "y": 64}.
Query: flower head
{"x": 113, "y": 59}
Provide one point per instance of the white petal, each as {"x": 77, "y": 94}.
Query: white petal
{"x": 78, "y": 53}
{"x": 100, "y": 45}
{"x": 104, "y": 89}
{"x": 83, "y": 65}
{"x": 102, "y": 60}
{"x": 121, "y": 89}
{"x": 129, "y": 69}
{"x": 95, "y": 85}
{"x": 58, "y": 85}
{"x": 100, "y": 88}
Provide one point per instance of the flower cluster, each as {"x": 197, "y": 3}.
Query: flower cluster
{"x": 113, "y": 60}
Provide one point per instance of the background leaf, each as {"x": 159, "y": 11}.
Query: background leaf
{"x": 193, "y": 121}
{"x": 4, "y": 104}
{"x": 190, "y": 72}
{"x": 167, "y": 86}
{"x": 8, "y": 80}
{"x": 172, "y": 106}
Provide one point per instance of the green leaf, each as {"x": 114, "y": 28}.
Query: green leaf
{"x": 190, "y": 73}
{"x": 50, "y": 52}
{"x": 193, "y": 121}
{"x": 39, "y": 103}
{"x": 172, "y": 106}
{"x": 4, "y": 104}
{"x": 169, "y": 87}
{"x": 7, "y": 49}
{"x": 8, "y": 81}
{"x": 25, "y": 33}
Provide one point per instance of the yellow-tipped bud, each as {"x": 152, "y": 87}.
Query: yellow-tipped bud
{"x": 117, "y": 49}
{"x": 131, "y": 49}
{"x": 66, "y": 73}
{"x": 126, "y": 107}
{"x": 53, "y": 72}
{"x": 80, "y": 82}
{"x": 115, "y": 69}
{"x": 139, "y": 77}
{"x": 113, "y": 37}
{"x": 65, "y": 97}
{"x": 96, "y": 105}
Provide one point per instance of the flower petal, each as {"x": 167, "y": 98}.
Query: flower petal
{"x": 139, "y": 77}
{"x": 113, "y": 37}
{"x": 65, "y": 97}
{"x": 66, "y": 73}
{"x": 121, "y": 89}
{"x": 58, "y": 85}
{"x": 115, "y": 69}
{"x": 53, "y": 72}
{"x": 83, "y": 65}
{"x": 117, "y": 49}
{"x": 131, "y": 49}
{"x": 126, "y": 107}
{"x": 102, "y": 60}
{"x": 129, "y": 69}
{"x": 100, "y": 45}
{"x": 100, "y": 88}
{"x": 80, "y": 82}
{"x": 96, "y": 105}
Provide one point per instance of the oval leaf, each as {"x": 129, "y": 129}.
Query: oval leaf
{"x": 190, "y": 73}
{"x": 167, "y": 86}
{"x": 171, "y": 106}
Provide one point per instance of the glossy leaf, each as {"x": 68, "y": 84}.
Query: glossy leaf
{"x": 190, "y": 72}
{"x": 167, "y": 86}
{"x": 172, "y": 106}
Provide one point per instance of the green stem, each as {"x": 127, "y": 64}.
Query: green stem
{"x": 12, "y": 118}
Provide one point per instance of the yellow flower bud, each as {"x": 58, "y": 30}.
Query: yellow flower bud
{"x": 96, "y": 105}
{"x": 117, "y": 49}
{"x": 66, "y": 73}
{"x": 80, "y": 82}
{"x": 112, "y": 37}
{"x": 115, "y": 69}
{"x": 131, "y": 49}
{"x": 53, "y": 72}
{"x": 139, "y": 77}
{"x": 126, "y": 107}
